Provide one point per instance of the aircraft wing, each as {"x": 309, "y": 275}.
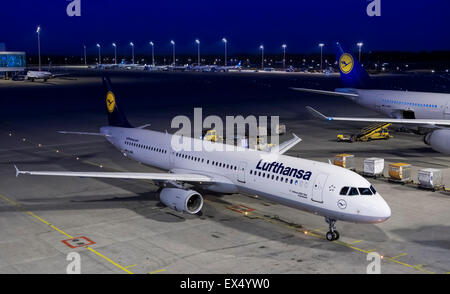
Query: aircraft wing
{"x": 84, "y": 133}
{"x": 185, "y": 177}
{"x": 286, "y": 145}
{"x": 333, "y": 93}
{"x": 432, "y": 122}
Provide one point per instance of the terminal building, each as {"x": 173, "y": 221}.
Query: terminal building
{"x": 11, "y": 61}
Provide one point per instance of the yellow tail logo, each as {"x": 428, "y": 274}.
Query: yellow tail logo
{"x": 110, "y": 101}
{"x": 346, "y": 63}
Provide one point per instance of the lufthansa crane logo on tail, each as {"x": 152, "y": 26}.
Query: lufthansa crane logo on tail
{"x": 110, "y": 101}
{"x": 346, "y": 63}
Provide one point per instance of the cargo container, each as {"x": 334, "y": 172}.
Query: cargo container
{"x": 430, "y": 178}
{"x": 373, "y": 166}
{"x": 344, "y": 160}
{"x": 400, "y": 172}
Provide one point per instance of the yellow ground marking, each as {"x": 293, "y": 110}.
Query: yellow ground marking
{"x": 130, "y": 266}
{"x": 157, "y": 271}
{"x": 349, "y": 245}
{"x": 19, "y": 206}
{"x": 357, "y": 241}
{"x": 108, "y": 259}
{"x": 400, "y": 255}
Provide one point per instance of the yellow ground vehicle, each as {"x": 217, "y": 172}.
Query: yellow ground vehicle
{"x": 210, "y": 135}
{"x": 378, "y": 131}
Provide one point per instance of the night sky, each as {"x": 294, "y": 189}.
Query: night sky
{"x": 404, "y": 25}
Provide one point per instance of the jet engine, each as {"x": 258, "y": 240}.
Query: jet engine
{"x": 439, "y": 140}
{"x": 182, "y": 200}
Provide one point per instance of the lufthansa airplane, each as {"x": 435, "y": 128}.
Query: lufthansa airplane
{"x": 320, "y": 188}
{"x": 424, "y": 109}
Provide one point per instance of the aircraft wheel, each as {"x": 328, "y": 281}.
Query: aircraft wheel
{"x": 329, "y": 236}
{"x": 336, "y": 235}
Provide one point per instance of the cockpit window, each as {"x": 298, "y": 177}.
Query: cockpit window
{"x": 353, "y": 192}
{"x": 344, "y": 190}
{"x": 365, "y": 191}
{"x": 373, "y": 190}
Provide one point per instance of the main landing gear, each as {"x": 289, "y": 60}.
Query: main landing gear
{"x": 332, "y": 234}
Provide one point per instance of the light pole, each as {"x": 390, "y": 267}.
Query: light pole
{"x": 321, "y": 47}
{"x": 284, "y": 55}
{"x": 38, "y": 31}
{"x": 225, "y": 45}
{"x": 99, "y": 54}
{"x": 360, "y": 44}
{"x": 85, "y": 61}
{"x": 173, "y": 51}
{"x": 153, "y": 53}
{"x": 115, "y": 52}
{"x": 132, "y": 52}
{"x": 198, "y": 51}
{"x": 262, "y": 56}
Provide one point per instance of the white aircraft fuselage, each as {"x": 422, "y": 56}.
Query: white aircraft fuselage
{"x": 308, "y": 185}
{"x": 403, "y": 104}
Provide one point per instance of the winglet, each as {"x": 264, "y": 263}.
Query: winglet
{"x": 317, "y": 113}
{"x": 17, "y": 171}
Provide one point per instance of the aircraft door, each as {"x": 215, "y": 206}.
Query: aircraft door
{"x": 172, "y": 157}
{"x": 319, "y": 183}
{"x": 241, "y": 171}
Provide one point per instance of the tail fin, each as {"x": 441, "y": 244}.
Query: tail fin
{"x": 353, "y": 75}
{"x": 116, "y": 116}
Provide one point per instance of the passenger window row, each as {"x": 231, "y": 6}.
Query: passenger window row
{"x": 274, "y": 177}
{"x": 409, "y": 103}
{"x": 352, "y": 191}
{"x": 146, "y": 147}
{"x": 202, "y": 160}
{"x": 184, "y": 156}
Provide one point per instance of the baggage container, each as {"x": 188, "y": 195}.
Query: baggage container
{"x": 345, "y": 160}
{"x": 430, "y": 178}
{"x": 400, "y": 172}
{"x": 373, "y": 166}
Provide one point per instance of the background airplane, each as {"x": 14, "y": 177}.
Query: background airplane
{"x": 430, "y": 111}
{"x": 33, "y": 75}
{"x": 316, "y": 187}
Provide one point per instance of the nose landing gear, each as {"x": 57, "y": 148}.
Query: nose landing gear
{"x": 332, "y": 234}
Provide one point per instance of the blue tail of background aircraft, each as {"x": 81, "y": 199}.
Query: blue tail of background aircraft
{"x": 353, "y": 75}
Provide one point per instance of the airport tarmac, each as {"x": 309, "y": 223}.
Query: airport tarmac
{"x": 119, "y": 225}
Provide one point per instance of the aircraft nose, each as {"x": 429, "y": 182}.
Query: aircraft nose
{"x": 383, "y": 210}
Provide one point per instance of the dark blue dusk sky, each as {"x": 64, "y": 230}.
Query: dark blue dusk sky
{"x": 403, "y": 25}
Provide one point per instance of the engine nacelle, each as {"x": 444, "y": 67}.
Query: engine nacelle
{"x": 182, "y": 200}
{"x": 439, "y": 140}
